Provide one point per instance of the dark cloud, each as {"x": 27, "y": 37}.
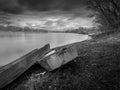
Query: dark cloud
{"x": 18, "y": 6}
{"x": 44, "y": 5}
{"x": 10, "y": 6}
{"x": 40, "y": 5}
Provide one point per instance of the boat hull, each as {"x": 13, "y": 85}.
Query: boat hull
{"x": 14, "y": 69}
{"x": 59, "y": 58}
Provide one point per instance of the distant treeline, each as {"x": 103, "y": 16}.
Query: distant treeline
{"x": 21, "y": 29}
{"x": 27, "y": 29}
{"x": 87, "y": 31}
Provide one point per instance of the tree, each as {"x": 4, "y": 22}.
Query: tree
{"x": 109, "y": 11}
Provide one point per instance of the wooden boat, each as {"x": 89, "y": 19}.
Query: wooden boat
{"x": 50, "y": 59}
{"x": 58, "y": 57}
{"x": 11, "y": 71}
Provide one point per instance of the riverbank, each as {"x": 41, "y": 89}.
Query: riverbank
{"x": 96, "y": 68}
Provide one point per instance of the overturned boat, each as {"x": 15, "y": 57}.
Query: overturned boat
{"x": 50, "y": 59}
{"x": 56, "y": 58}
{"x": 13, "y": 70}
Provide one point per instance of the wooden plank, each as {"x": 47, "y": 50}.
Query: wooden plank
{"x": 13, "y": 70}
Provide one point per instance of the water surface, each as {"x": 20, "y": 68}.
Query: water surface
{"x": 15, "y": 44}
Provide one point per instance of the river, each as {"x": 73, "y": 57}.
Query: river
{"x": 15, "y": 44}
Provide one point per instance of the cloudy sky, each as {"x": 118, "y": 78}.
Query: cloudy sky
{"x": 52, "y": 14}
{"x": 19, "y": 6}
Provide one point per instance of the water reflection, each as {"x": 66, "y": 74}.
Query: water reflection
{"x": 14, "y": 45}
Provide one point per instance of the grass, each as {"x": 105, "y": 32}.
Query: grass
{"x": 96, "y": 68}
